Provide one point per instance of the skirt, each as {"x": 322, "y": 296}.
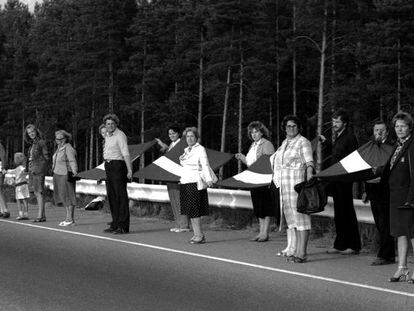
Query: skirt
{"x": 22, "y": 192}
{"x": 263, "y": 204}
{"x": 194, "y": 202}
{"x": 63, "y": 191}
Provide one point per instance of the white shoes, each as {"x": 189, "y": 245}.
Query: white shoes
{"x": 179, "y": 230}
{"x": 66, "y": 223}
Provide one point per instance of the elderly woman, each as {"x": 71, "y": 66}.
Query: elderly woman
{"x": 197, "y": 176}
{"x": 182, "y": 221}
{"x": 261, "y": 196}
{"x": 38, "y": 163}
{"x": 292, "y": 163}
{"x": 64, "y": 167}
{"x": 399, "y": 172}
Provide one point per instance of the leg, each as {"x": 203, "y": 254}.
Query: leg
{"x": 302, "y": 238}
{"x": 40, "y": 204}
{"x": 198, "y": 233}
{"x": 25, "y": 208}
{"x": 402, "y": 272}
{"x": 3, "y": 203}
{"x": 182, "y": 221}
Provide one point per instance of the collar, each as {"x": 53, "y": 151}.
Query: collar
{"x": 192, "y": 147}
{"x": 402, "y": 142}
{"x": 113, "y": 133}
{"x": 341, "y": 132}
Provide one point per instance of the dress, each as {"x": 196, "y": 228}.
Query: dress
{"x": 289, "y": 166}
{"x": 193, "y": 197}
{"x": 20, "y": 175}
{"x": 64, "y": 160}
{"x": 261, "y": 196}
{"x": 401, "y": 184}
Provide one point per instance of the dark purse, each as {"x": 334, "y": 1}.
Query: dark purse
{"x": 71, "y": 177}
{"x": 312, "y": 197}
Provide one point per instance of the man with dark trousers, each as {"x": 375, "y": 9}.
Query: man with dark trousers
{"x": 118, "y": 171}
{"x": 378, "y": 195}
{"x": 347, "y": 240}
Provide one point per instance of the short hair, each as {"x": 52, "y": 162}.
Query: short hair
{"x": 378, "y": 122}
{"x": 111, "y": 116}
{"x": 33, "y": 127}
{"x": 293, "y": 118}
{"x": 341, "y": 114}
{"x": 259, "y": 126}
{"x": 19, "y": 158}
{"x": 175, "y": 128}
{"x": 191, "y": 129}
{"x": 404, "y": 116}
{"x": 101, "y": 127}
{"x": 65, "y": 134}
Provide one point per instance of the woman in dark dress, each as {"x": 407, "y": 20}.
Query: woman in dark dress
{"x": 399, "y": 172}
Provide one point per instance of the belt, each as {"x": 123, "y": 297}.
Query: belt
{"x": 109, "y": 161}
{"x": 21, "y": 183}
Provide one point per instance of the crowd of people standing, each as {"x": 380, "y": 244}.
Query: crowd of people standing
{"x": 391, "y": 193}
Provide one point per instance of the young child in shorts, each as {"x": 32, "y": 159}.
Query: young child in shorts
{"x": 22, "y": 189}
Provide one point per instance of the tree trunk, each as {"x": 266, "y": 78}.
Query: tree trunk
{"x": 92, "y": 134}
{"x": 142, "y": 157}
{"x": 321, "y": 89}
{"x": 111, "y": 87}
{"x": 240, "y": 124}
{"x": 294, "y": 61}
{"x": 277, "y": 80}
{"x": 399, "y": 75}
{"x": 200, "y": 85}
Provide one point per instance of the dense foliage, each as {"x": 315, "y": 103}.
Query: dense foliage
{"x": 209, "y": 63}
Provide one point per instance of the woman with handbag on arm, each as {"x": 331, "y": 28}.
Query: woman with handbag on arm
{"x": 398, "y": 175}
{"x": 261, "y": 197}
{"x": 292, "y": 163}
{"x": 197, "y": 176}
{"x": 65, "y": 168}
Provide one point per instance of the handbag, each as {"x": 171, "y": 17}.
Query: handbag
{"x": 71, "y": 177}
{"x": 312, "y": 197}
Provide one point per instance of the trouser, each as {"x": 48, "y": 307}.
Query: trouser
{"x": 381, "y": 212}
{"x": 116, "y": 190}
{"x": 174, "y": 194}
{"x": 346, "y": 223}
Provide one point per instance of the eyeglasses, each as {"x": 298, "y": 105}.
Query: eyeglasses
{"x": 291, "y": 126}
{"x": 59, "y": 139}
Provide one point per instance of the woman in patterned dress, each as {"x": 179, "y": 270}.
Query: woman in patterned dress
{"x": 261, "y": 196}
{"x": 196, "y": 177}
{"x": 292, "y": 163}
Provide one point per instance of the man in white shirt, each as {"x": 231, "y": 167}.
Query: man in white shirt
{"x": 118, "y": 170}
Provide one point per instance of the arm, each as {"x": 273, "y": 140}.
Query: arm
{"x": 410, "y": 195}
{"x": 306, "y": 154}
{"x": 71, "y": 155}
{"x": 164, "y": 147}
{"x": 123, "y": 145}
{"x": 205, "y": 167}
{"x": 241, "y": 157}
{"x": 45, "y": 152}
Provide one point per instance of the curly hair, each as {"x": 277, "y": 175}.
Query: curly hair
{"x": 293, "y": 118}
{"x": 111, "y": 116}
{"x": 259, "y": 126}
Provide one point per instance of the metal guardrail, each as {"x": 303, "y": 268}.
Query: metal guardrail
{"x": 226, "y": 198}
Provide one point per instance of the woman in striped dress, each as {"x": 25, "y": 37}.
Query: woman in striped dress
{"x": 292, "y": 163}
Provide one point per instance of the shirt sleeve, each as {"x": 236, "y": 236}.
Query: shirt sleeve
{"x": 268, "y": 148}
{"x": 306, "y": 151}
{"x": 71, "y": 155}
{"x": 205, "y": 165}
{"x": 123, "y": 144}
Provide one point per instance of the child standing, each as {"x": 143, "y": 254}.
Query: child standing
{"x": 22, "y": 189}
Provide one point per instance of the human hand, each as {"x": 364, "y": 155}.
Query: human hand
{"x": 322, "y": 138}
{"x": 129, "y": 174}
{"x": 209, "y": 183}
{"x": 364, "y": 198}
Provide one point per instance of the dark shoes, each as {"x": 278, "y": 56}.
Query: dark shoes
{"x": 39, "y": 219}
{"x": 296, "y": 259}
{"x": 348, "y": 251}
{"x": 5, "y": 215}
{"x": 120, "y": 231}
{"x": 382, "y": 261}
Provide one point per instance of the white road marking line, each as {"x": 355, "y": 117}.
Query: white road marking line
{"x": 241, "y": 263}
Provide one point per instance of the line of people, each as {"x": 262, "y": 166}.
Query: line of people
{"x": 391, "y": 194}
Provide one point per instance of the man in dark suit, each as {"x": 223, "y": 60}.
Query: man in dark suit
{"x": 379, "y": 198}
{"x": 347, "y": 240}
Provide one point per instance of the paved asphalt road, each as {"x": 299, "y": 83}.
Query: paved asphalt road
{"x": 45, "y": 267}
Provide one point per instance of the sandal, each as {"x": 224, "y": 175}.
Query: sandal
{"x": 66, "y": 223}
{"x": 40, "y": 219}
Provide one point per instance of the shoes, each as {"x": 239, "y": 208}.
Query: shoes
{"x": 39, "y": 219}
{"x": 287, "y": 252}
{"x": 402, "y": 275}
{"x": 255, "y": 239}
{"x": 22, "y": 218}
{"x": 349, "y": 251}
{"x": 333, "y": 251}
{"x": 66, "y": 223}
{"x": 410, "y": 281}
{"x": 109, "y": 223}
{"x": 296, "y": 259}
{"x": 198, "y": 240}
{"x": 6, "y": 215}
{"x": 265, "y": 239}
{"x": 109, "y": 230}
{"x": 120, "y": 231}
{"x": 382, "y": 261}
